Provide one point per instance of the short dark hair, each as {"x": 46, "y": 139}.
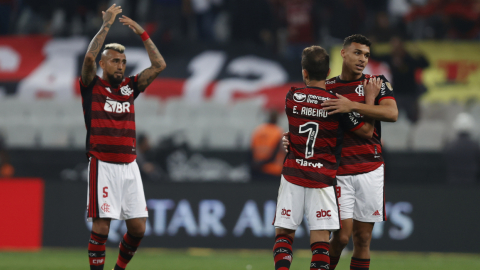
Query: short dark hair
{"x": 357, "y": 38}
{"x": 316, "y": 61}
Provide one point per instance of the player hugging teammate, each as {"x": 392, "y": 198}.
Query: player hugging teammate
{"x": 115, "y": 189}
{"x": 308, "y": 178}
{"x": 360, "y": 176}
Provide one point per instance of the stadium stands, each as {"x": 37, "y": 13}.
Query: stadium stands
{"x": 208, "y": 125}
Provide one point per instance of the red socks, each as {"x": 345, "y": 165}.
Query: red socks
{"x": 334, "y": 262}
{"x": 128, "y": 247}
{"x": 96, "y": 250}
{"x": 320, "y": 256}
{"x": 359, "y": 264}
{"x": 282, "y": 252}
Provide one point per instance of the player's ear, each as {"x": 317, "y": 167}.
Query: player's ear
{"x": 342, "y": 53}
{"x": 102, "y": 64}
{"x": 328, "y": 73}
{"x": 305, "y": 74}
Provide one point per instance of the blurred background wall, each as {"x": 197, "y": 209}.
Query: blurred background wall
{"x": 230, "y": 64}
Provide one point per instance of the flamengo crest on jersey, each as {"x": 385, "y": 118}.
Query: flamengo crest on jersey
{"x": 315, "y": 138}
{"x": 360, "y": 155}
{"x": 110, "y": 119}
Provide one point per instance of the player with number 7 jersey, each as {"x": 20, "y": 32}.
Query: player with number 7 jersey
{"x": 316, "y": 138}
{"x": 307, "y": 185}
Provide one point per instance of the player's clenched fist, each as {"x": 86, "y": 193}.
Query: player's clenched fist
{"x": 111, "y": 13}
{"x": 137, "y": 29}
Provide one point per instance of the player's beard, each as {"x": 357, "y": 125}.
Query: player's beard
{"x": 114, "y": 81}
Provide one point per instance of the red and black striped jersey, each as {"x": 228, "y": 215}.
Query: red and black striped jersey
{"x": 315, "y": 138}
{"x": 360, "y": 155}
{"x": 110, "y": 119}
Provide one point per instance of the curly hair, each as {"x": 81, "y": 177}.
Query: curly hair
{"x": 357, "y": 38}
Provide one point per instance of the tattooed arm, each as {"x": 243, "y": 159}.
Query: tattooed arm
{"x": 146, "y": 77}
{"x": 89, "y": 68}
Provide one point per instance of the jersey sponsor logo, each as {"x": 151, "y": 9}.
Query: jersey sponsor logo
{"x": 376, "y": 213}
{"x": 330, "y": 82}
{"x": 315, "y": 99}
{"x": 382, "y": 90}
{"x": 116, "y": 107}
{"x": 299, "y": 97}
{"x": 304, "y": 163}
{"x": 105, "y": 208}
{"x": 353, "y": 118}
{"x": 322, "y": 213}
{"x": 126, "y": 90}
{"x": 356, "y": 114}
{"x": 286, "y": 212}
{"x": 359, "y": 91}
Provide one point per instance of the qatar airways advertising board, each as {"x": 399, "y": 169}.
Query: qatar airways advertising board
{"x": 240, "y": 216}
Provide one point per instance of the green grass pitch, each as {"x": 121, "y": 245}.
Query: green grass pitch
{"x": 208, "y": 259}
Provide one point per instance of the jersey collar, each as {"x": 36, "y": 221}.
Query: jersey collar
{"x": 337, "y": 79}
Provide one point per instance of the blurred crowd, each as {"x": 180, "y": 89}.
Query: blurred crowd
{"x": 282, "y": 25}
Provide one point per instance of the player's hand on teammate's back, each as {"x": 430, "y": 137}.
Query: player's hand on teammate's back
{"x": 372, "y": 87}
{"x": 137, "y": 29}
{"x": 285, "y": 141}
{"x": 340, "y": 105}
{"x": 111, "y": 13}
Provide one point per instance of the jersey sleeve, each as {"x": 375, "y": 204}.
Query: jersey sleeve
{"x": 350, "y": 122}
{"x": 134, "y": 85}
{"x": 385, "y": 92}
{"x": 85, "y": 88}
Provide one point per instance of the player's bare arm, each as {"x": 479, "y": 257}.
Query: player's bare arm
{"x": 386, "y": 111}
{"x": 89, "y": 68}
{"x": 146, "y": 77}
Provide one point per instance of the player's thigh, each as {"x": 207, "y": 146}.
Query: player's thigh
{"x": 134, "y": 204}
{"x": 345, "y": 195}
{"x": 290, "y": 205}
{"x": 321, "y": 208}
{"x": 369, "y": 196}
{"x": 104, "y": 193}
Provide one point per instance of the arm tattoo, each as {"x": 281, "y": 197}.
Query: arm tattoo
{"x": 89, "y": 68}
{"x": 147, "y": 76}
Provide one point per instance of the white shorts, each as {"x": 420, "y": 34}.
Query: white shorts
{"x": 115, "y": 191}
{"x": 361, "y": 196}
{"x": 319, "y": 205}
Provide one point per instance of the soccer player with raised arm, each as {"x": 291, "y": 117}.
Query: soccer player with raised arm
{"x": 360, "y": 176}
{"x": 115, "y": 189}
{"x": 308, "y": 177}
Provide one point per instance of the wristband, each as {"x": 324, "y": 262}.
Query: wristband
{"x": 144, "y": 36}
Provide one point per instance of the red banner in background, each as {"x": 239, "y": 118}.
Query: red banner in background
{"x": 19, "y": 56}
{"x": 22, "y": 201}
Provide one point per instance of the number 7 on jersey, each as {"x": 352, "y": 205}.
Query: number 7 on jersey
{"x": 312, "y": 129}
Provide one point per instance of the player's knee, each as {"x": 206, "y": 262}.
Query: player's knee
{"x": 137, "y": 231}
{"x": 341, "y": 239}
{"x": 361, "y": 238}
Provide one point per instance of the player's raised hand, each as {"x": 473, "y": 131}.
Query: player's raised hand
{"x": 110, "y": 14}
{"x": 285, "y": 141}
{"x": 372, "y": 87}
{"x": 340, "y": 105}
{"x": 137, "y": 29}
